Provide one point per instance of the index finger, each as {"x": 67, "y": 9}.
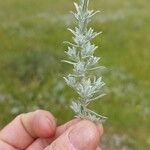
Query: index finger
{"x": 23, "y": 130}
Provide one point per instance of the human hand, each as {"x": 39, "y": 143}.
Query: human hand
{"x": 38, "y": 131}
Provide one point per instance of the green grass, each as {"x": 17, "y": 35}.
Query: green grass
{"x": 31, "y": 36}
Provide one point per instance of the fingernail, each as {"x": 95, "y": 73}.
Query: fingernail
{"x": 80, "y": 137}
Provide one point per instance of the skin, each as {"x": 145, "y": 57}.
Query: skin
{"x": 38, "y": 131}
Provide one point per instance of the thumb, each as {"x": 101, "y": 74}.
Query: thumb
{"x": 82, "y": 136}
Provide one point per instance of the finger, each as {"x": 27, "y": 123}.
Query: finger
{"x": 61, "y": 129}
{"x": 98, "y": 148}
{"x": 40, "y": 143}
{"x": 5, "y": 146}
{"x": 22, "y": 131}
{"x": 101, "y": 129}
{"x": 81, "y": 136}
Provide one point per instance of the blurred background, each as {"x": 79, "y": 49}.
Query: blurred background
{"x": 31, "y": 49}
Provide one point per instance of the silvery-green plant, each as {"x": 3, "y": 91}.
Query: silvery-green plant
{"x": 81, "y": 55}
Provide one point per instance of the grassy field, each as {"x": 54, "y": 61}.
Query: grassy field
{"x": 31, "y": 36}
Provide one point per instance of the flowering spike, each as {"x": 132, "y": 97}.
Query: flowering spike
{"x": 81, "y": 56}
